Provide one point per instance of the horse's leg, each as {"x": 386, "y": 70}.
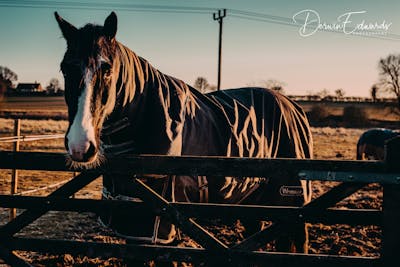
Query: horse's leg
{"x": 296, "y": 242}
{"x": 297, "y": 239}
{"x": 301, "y": 238}
{"x": 252, "y": 226}
{"x": 275, "y": 193}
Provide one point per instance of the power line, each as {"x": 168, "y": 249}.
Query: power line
{"x": 262, "y": 20}
{"x": 105, "y": 5}
{"x": 234, "y": 13}
{"x": 253, "y": 16}
{"x": 261, "y": 15}
{"x": 120, "y": 9}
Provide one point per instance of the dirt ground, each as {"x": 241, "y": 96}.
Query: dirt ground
{"x": 329, "y": 143}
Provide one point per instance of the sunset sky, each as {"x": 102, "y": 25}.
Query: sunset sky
{"x": 185, "y": 45}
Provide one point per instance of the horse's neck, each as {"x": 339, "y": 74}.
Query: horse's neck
{"x": 156, "y": 112}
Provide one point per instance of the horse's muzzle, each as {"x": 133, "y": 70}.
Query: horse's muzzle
{"x": 84, "y": 152}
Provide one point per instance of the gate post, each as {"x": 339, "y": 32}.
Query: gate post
{"x": 14, "y": 174}
{"x": 391, "y": 208}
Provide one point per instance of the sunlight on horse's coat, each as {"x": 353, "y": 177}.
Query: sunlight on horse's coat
{"x": 135, "y": 108}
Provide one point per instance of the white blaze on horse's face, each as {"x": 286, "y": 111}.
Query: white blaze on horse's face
{"x": 89, "y": 86}
{"x": 81, "y": 135}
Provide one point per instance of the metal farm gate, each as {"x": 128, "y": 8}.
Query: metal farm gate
{"x": 353, "y": 174}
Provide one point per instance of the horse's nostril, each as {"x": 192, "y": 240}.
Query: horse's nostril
{"x": 90, "y": 152}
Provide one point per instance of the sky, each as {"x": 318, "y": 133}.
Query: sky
{"x": 185, "y": 45}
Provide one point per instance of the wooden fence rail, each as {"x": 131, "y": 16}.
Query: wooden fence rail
{"x": 353, "y": 174}
{"x": 377, "y": 171}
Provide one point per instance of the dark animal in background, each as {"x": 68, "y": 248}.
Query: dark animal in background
{"x": 371, "y": 144}
{"x": 118, "y": 103}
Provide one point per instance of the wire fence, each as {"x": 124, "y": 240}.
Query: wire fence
{"x": 27, "y": 138}
{"x": 28, "y": 192}
{"x": 16, "y": 139}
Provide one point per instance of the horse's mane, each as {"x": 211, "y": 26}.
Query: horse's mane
{"x": 137, "y": 73}
{"x": 130, "y": 69}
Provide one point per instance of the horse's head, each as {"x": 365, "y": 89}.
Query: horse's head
{"x": 88, "y": 68}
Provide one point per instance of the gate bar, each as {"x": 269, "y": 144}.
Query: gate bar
{"x": 195, "y": 165}
{"x": 168, "y": 253}
{"x": 188, "y": 225}
{"x": 201, "y": 210}
{"x": 11, "y": 258}
{"x": 28, "y": 216}
{"x": 277, "y": 228}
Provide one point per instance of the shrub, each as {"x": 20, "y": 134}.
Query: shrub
{"x": 318, "y": 113}
{"x": 354, "y": 116}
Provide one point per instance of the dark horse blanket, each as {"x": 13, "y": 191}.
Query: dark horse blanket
{"x": 245, "y": 122}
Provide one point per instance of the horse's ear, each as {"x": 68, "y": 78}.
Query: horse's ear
{"x": 68, "y": 30}
{"x": 110, "y": 26}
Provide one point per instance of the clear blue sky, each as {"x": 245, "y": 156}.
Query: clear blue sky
{"x": 185, "y": 45}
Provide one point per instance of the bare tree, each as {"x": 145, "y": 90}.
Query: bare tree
{"x": 323, "y": 93}
{"x": 54, "y": 86}
{"x": 339, "y": 93}
{"x": 203, "y": 86}
{"x": 275, "y": 85}
{"x": 272, "y": 84}
{"x": 389, "y": 68}
{"x": 7, "y": 77}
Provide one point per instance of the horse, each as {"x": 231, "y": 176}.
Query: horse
{"x": 371, "y": 144}
{"x": 118, "y": 103}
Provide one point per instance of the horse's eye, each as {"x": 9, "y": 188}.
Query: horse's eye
{"x": 106, "y": 68}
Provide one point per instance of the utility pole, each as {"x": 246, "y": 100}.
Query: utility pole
{"x": 221, "y": 16}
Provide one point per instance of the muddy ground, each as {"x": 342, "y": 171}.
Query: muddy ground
{"x": 329, "y": 143}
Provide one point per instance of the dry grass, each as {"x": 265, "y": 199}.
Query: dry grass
{"x": 335, "y": 143}
{"x": 34, "y": 127}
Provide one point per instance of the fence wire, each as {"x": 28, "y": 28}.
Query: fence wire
{"x": 26, "y": 138}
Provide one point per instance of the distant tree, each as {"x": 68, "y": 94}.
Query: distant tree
{"x": 53, "y": 87}
{"x": 339, "y": 93}
{"x": 7, "y": 77}
{"x": 270, "y": 84}
{"x": 203, "y": 86}
{"x": 323, "y": 93}
{"x": 374, "y": 91}
{"x": 275, "y": 85}
{"x": 389, "y": 68}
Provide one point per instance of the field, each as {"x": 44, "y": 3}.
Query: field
{"x": 330, "y": 143}
{"x": 37, "y": 107}
{"x": 40, "y": 107}
{"x": 34, "y": 103}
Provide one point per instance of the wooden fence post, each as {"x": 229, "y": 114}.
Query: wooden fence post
{"x": 74, "y": 174}
{"x": 391, "y": 208}
{"x": 14, "y": 174}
